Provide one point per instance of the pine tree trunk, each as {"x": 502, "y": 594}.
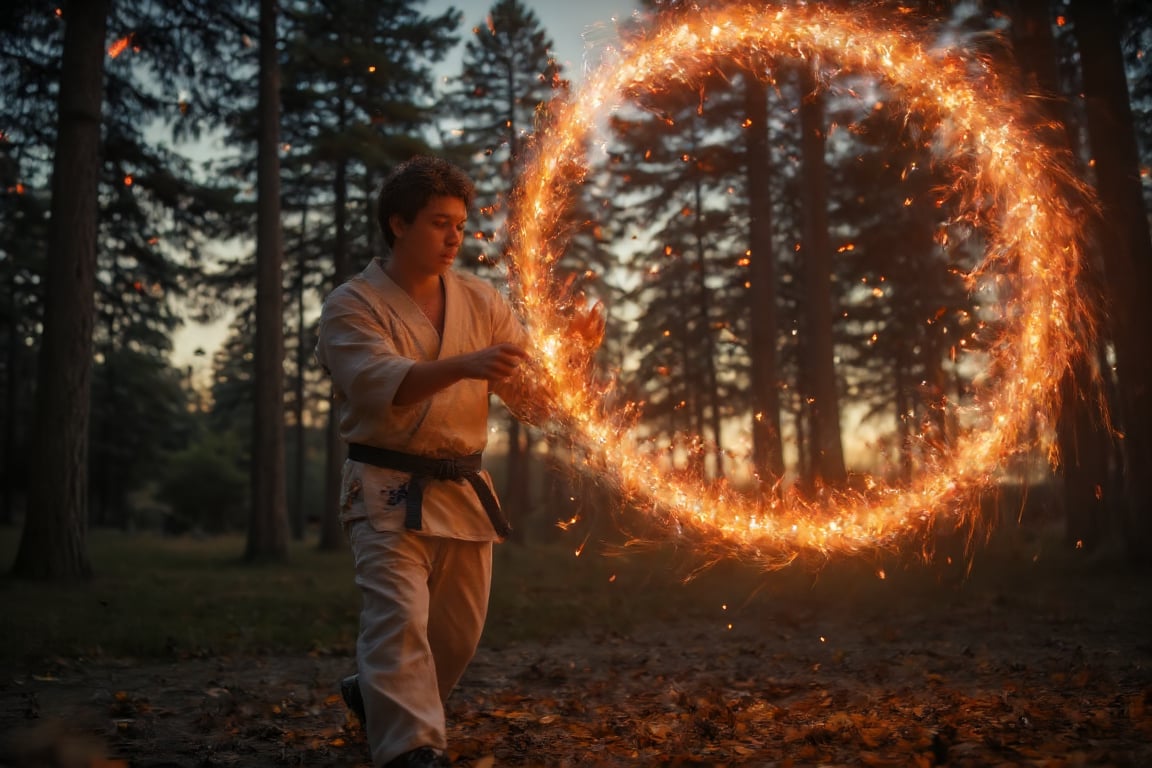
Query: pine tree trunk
{"x": 517, "y": 485}
{"x": 902, "y": 390}
{"x": 767, "y": 444}
{"x": 704, "y": 312}
{"x": 818, "y": 356}
{"x": 268, "y": 524}
{"x": 1127, "y": 247}
{"x": 8, "y": 447}
{"x": 1084, "y": 443}
{"x": 301, "y": 452}
{"x": 331, "y": 533}
{"x": 54, "y": 540}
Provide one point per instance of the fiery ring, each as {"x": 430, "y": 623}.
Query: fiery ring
{"x": 1036, "y": 241}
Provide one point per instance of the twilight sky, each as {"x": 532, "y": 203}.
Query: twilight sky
{"x": 579, "y": 29}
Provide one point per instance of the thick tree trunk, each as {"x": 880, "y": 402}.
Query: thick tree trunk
{"x": 1127, "y": 248}
{"x": 1084, "y": 443}
{"x": 54, "y": 540}
{"x": 827, "y": 452}
{"x": 268, "y": 524}
{"x": 767, "y": 444}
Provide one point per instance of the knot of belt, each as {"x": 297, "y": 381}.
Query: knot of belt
{"x": 450, "y": 469}
{"x": 423, "y": 471}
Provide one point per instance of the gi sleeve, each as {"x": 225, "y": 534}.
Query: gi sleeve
{"x": 359, "y": 351}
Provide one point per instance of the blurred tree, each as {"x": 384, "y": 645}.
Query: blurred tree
{"x": 143, "y": 415}
{"x": 1127, "y": 247}
{"x": 151, "y": 218}
{"x": 907, "y": 313}
{"x": 676, "y": 157}
{"x": 24, "y": 221}
{"x": 818, "y": 381}
{"x": 268, "y": 523}
{"x": 30, "y": 37}
{"x": 767, "y": 443}
{"x": 53, "y": 543}
{"x": 1135, "y": 17}
{"x": 205, "y": 486}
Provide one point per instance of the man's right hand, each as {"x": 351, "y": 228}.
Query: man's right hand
{"x": 495, "y": 363}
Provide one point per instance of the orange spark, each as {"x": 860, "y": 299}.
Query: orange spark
{"x": 118, "y": 47}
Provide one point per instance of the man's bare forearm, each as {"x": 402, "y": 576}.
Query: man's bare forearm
{"x": 426, "y": 378}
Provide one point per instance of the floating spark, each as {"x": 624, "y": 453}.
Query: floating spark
{"x": 118, "y": 47}
{"x": 1034, "y": 243}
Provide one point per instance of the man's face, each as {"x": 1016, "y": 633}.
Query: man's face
{"x": 429, "y": 243}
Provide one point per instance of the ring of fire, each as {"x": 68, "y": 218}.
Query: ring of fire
{"x": 1037, "y": 241}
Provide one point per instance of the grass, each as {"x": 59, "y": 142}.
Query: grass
{"x": 155, "y": 596}
{"x": 158, "y": 596}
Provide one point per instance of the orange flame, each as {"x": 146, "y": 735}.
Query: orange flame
{"x": 1036, "y": 241}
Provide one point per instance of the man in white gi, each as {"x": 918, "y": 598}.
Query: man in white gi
{"x": 413, "y": 349}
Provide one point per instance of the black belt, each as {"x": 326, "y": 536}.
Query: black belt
{"x": 423, "y": 471}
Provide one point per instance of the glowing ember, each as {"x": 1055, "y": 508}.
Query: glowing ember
{"x": 1034, "y": 242}
{"x": 118, "y": 47}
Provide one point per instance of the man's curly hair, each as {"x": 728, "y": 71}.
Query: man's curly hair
{"x": 412, "y": 183}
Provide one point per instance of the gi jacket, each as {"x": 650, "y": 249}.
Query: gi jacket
{"x": 371, "y": 333}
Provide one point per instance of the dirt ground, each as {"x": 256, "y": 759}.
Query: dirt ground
{"x": 1012, "y": 669}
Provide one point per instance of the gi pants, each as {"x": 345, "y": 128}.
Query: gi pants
{"x": 424, "y": 601}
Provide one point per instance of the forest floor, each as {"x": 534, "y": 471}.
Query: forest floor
{"x": 1025, "y": 661}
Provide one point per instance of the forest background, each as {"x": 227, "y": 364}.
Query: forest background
{"x": 784, "y": 285}
{"x": 781, "y": 302}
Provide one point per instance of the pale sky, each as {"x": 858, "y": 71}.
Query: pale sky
{"x": 579, "y": 29}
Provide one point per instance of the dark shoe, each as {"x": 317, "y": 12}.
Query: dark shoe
{"x": 350, "y": 692}
{"x": 424, "y": 757}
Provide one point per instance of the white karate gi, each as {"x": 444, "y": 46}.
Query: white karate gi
{"x": 425, "y": 593}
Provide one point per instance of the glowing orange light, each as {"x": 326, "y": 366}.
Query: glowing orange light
{"x": 118, "y": 47}
{"x": 1036, "y": 247}
{"x": 128, "y": 180}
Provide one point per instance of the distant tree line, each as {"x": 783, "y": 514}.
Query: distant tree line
{"x": 783, "y": 286}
